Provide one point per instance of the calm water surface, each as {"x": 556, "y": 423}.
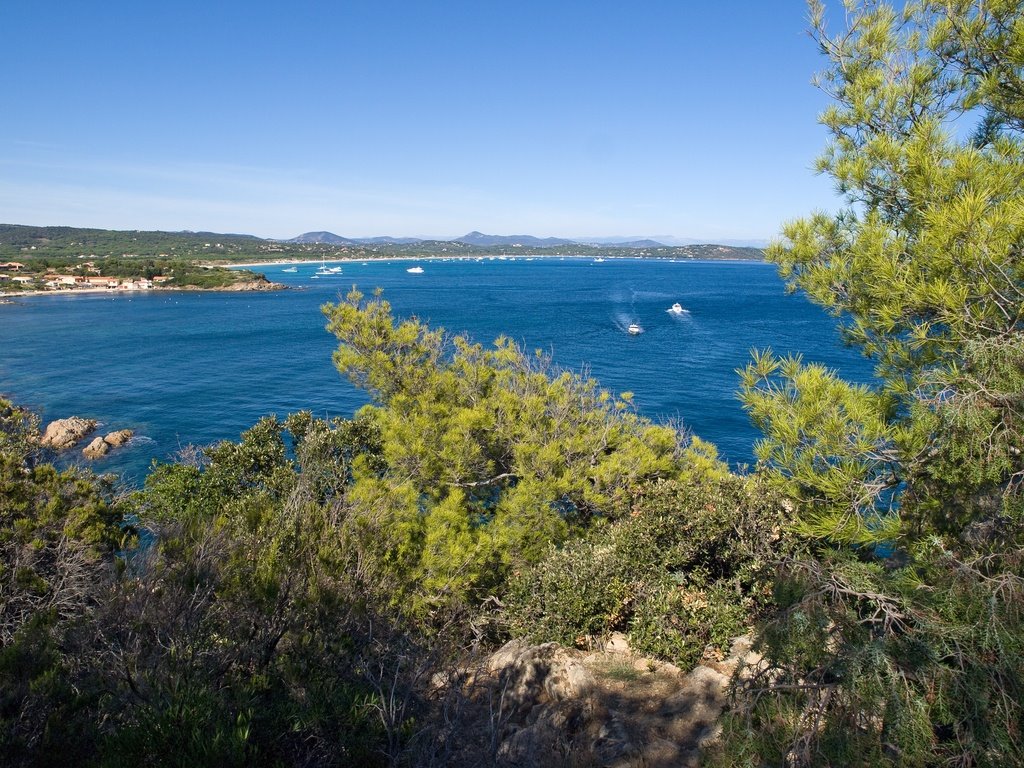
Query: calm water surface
{"x": 194, "y": 368}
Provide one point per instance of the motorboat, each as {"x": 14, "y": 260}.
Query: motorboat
{"x": 676, "y": 309}
{"x": 290, "y": 269}
{"x": 415, "y": 270}
{"x": 634, "y": 329}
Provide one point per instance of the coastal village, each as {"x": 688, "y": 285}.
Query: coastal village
{"x": 12, "y": 276}
{"x": 119, "y": 276}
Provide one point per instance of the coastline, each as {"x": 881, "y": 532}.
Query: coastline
{"x": 271, "y": 287}
{"x": 348, "y": 260}
{"x": 464, "y": 257}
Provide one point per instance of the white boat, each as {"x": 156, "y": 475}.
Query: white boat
{"x": 323, "y": 269}
{"x": 415, "y": 270}
{"x": 634, "y": 329}
{"x": 676, "y": 309}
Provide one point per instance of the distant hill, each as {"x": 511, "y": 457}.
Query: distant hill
{"x": 23, "y": 242}
{"x": 388, "y": 240}
{"x": 321, "y": 237}
{"x": 624, "y": 243}
{"x": 479, "y": 238}
{"x": 332, "y": 239}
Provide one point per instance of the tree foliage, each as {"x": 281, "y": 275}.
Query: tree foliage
{"x": 899, "y": 642}
{"x": 487, "y": 455}
{"x": 58, "y": 536}
{"x": 235, "y": 631}
{"x": 289, "y": 596}
{"x": 923, "y": 266}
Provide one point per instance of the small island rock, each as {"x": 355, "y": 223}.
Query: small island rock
{"x": 95, "y": 449}
{"x": 118, "y": 438}
{"x": 64, "y": 433}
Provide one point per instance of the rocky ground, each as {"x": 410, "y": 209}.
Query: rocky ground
{"x": 545, "y": 705}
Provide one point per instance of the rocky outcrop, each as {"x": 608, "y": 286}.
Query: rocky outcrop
{"x": 101, "y": 445}
{"x": 547, "y": 705}
{"x": 66, "y": 433}
{"x": 95, "y": 449}
{"x": 256, "y": 285}
{"x": 118, "y": 438}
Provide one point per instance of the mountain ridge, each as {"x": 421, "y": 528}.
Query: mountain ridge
{"x": 476, "y": 238}
{"x": 19, "y": 240}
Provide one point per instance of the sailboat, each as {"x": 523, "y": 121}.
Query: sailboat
{"x": 325, "y": 270}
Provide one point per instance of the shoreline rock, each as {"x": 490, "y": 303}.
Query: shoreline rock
{"x": 101, "y": 445}
{"x": 62, "y": 434}
{"x": 256, "y": 285}
{"x": 118, "y": 438}
{"x": 98, "y": 447}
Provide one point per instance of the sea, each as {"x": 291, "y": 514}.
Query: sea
{"x": 192, "y": 368}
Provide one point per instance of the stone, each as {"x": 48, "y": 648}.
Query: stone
{"x": 95, "y": 449}
{"x": 65, "y": 433}
{"x": 617, "y": 643}
{"x": 118, "y": 438}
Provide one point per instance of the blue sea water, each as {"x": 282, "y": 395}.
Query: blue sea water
{"x": 191, "y": 368}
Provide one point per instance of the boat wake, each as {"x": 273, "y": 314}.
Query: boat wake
{"x": 677, "y": 311}
{"x": 627, "y": 324}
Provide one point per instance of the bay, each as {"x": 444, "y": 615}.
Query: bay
{"x": 192, "y": 368}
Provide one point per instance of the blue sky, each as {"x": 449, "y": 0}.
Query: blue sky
{"x": 552, "y": 118}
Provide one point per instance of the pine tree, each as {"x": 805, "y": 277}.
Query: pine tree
{"x": 898, "y": 639}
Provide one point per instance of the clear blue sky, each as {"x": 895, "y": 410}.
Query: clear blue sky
{"x": 370, "y": 117}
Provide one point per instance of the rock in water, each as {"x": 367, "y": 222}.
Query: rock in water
{"x": 95, "y": 449}
{"x": 64, "y": 433}
{"x": 119, "y": 438}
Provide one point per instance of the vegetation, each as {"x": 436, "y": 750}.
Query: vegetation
{"x": 682, "y": 575}
{"x": 304, "y": 596}
{"x": 179, "y": 273}
{"x": 289, "y": 598}
{"x": 193, "y": 646}
{"x": 486, "y": 455}
{"x": 65, "y": 243}
{"x": 899, "y": 638}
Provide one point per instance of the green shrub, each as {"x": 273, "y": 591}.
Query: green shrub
{"x": 688, "y": 567}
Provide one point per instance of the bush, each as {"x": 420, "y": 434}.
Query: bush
{"x": 687, "y": 568}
